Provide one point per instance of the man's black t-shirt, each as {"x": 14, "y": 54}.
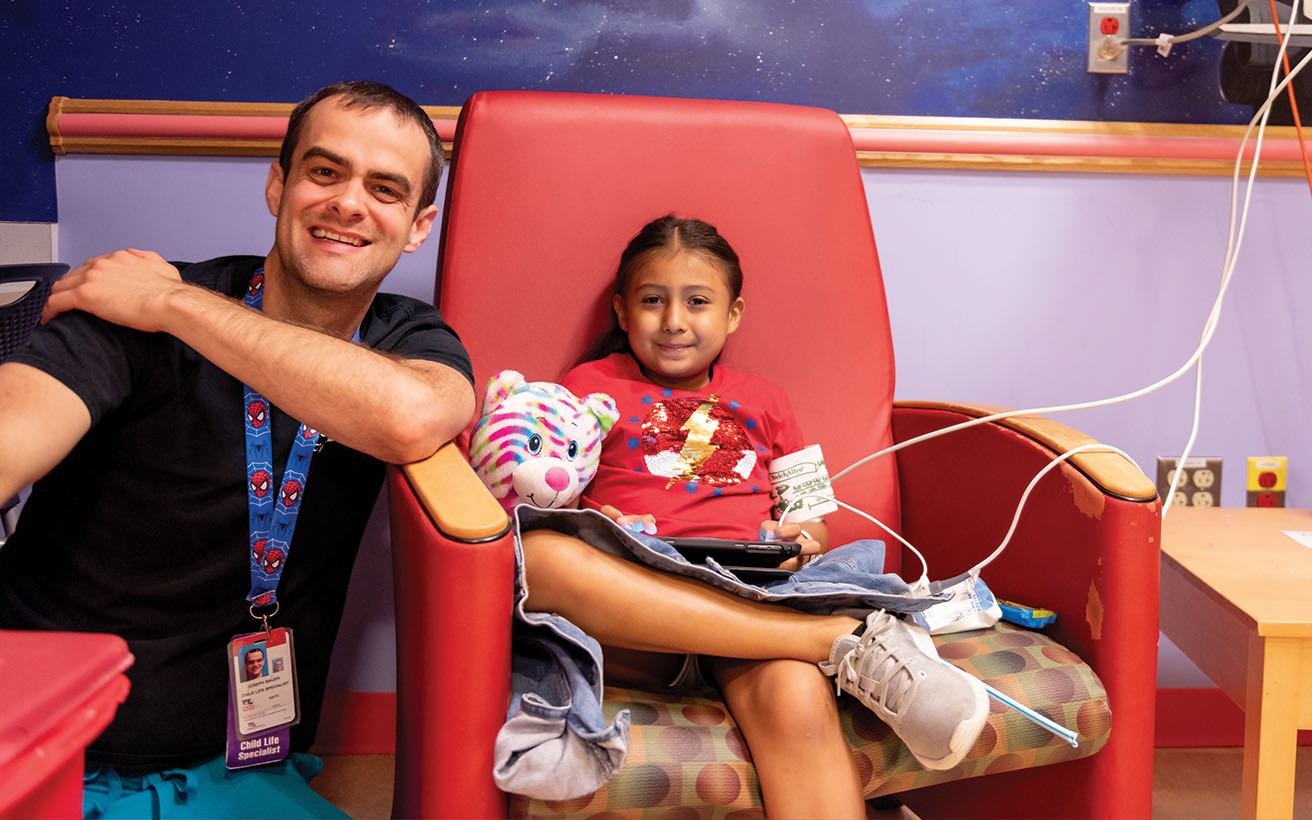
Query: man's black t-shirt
{"x": 142, "y": 530}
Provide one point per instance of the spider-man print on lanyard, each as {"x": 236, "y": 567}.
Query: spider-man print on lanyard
{"x": 273, "y": 506}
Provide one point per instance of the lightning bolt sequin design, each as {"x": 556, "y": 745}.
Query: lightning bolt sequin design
{"x": 696, "y": 441}
{"x": 697, "y": 447}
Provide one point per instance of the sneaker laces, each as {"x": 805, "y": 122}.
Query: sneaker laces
{"x": 873, "y": 661}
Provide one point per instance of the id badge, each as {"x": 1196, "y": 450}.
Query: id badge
{"x": 263, "y": 702}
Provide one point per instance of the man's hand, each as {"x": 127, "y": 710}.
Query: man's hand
{"x": 397, "y": 410}
{"x": 128, "y": 287}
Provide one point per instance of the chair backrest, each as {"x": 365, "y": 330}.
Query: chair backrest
{"x": 546, "y": 189}
{"x": 23, "y": 293}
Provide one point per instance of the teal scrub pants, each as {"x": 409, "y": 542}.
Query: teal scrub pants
{"x": 208, "y": 790}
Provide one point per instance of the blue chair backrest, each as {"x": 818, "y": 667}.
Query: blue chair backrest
{"x": 23, "y": 293}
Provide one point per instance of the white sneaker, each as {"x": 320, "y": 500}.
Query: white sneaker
{"x": 936, "y": 709}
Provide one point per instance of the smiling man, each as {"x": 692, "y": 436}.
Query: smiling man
{"x": 208, "y": 440}
{"x": 254, "y": 664}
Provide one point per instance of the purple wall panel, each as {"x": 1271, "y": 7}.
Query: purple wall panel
{"x": 186, "y": 208}
{"x": 1018, "y": 289}
{"x": 1030, "y": 290}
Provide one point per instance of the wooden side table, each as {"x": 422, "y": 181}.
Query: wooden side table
{"x": 1237, "y": 599}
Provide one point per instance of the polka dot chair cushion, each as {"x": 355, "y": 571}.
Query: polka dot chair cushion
{"x": 687, "y": 752}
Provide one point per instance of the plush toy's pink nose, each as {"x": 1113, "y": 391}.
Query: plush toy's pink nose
{"x": 557, "y": 478}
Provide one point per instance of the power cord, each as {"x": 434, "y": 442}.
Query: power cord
{"x": 1293, "y": 101}
{"x": 1235, "y": 236}
{"x": 1164, "y": 42}
{"x": 1015, "y": 520}
{"x": 1235, "y": 240}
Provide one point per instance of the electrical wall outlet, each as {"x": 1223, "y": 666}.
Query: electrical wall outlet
{"x": 1200, "y": 481}
{"x": 1109, "y": 23}
{"x": 1266, "y": 481}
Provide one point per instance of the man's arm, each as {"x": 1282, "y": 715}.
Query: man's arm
{"x": 397, "y": 410}
{"x": 40, "y": 422}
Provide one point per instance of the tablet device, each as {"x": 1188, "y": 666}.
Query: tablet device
{"x": 760, "y": 576}
{"x": 735, "y": 552}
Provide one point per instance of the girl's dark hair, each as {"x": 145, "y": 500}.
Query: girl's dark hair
{"x": 668, "y": 234}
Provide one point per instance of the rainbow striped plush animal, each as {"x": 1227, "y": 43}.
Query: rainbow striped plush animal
{"x": 536, "y": 442}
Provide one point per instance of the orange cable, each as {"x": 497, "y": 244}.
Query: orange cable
{"x": 1293, "y": 104}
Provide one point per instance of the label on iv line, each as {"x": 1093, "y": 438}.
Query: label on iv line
{"x": 972, "y": 606}
{"x": 801, "y": 481}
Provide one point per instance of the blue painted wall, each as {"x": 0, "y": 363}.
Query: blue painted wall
{"x": 915, "y": 57}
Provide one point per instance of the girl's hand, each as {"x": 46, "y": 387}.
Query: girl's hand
{"x": 633, "y": 523}
{"x": 774, "y": 531}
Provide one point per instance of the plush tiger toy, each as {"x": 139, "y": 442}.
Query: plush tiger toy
{"x": 536, "y": 442}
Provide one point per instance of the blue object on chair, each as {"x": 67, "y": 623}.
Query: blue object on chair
{"x": 23, "y": 293}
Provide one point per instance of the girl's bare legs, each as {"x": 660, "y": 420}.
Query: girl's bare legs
{"x": 642, "y": 670}
{"x": 789, "y": 718}
{"x": 624, "y": 604}
{"x": 779, "y": 698}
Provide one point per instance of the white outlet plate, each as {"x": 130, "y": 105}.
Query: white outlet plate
{"x": 1105, "y": 57}
{"x": 1200, "y": 482}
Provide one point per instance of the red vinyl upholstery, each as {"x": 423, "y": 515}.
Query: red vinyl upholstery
{"x": 546, "y": 189}
{"x": 1089, "y": 554}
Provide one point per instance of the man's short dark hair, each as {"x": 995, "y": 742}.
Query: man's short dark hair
{"x": 367, "y": 94}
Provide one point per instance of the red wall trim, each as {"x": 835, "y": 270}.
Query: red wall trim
{"x": 358, "y": 723}
{"x": 191, "y": 126}
{"x": 182, "y": 126}
{"x": 175, "y": 127}
{"x": 1196, "y": 718}
{"x": 929, "y": 139}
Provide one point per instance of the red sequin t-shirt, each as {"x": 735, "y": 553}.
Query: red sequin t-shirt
{"x": 695, "y": 459}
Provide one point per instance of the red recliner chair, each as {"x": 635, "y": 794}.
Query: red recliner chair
{"x": 545, "y": 191}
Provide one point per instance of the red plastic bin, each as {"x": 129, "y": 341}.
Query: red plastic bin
{"x": 58, "y": 691}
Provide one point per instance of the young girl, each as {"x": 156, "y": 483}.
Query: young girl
{"x": 689, "y": 456}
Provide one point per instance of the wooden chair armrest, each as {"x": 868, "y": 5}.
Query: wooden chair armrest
{"x": 454, "y": 497}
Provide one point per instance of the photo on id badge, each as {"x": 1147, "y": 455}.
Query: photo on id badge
{"x": 263, "y": 681}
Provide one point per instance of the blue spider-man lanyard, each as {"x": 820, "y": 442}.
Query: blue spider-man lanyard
{"x": 272, "y": 516}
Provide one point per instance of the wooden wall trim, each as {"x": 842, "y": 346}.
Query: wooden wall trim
{"x": 1062, "y": 145}
{"x": 169, "y": 127}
